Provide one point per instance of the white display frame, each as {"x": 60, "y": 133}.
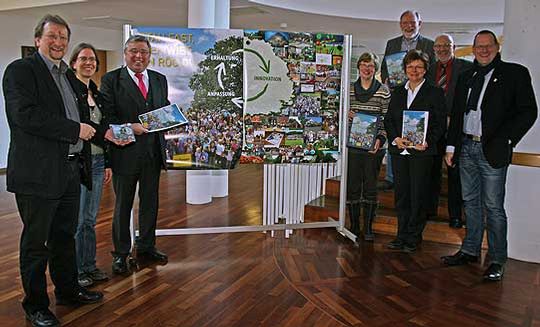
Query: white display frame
{"x": 338, "y": 224}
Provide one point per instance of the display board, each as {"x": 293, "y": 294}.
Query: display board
{"x": 249, "y": 96}
{"x": 204, "y": 69}
{"x": 293, "y": 83}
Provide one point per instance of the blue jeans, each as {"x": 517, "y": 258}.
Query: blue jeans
{"x": 85, "y": 237}
{"x": 389, "y": 172}
{"x": 483, "y": 189}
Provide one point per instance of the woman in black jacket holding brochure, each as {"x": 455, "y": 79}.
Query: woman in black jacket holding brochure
{"x": 369, "y": 97}
{"x": 413, "y": 149}
{"x": 84, "y": 63}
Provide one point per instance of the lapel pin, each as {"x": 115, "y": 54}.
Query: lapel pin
{"x": 494, "y": 80}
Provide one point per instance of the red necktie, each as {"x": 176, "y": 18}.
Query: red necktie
{"x": 142, "y": 87}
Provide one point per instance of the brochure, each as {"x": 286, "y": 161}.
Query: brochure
{"x": 163, "y": 118}
{"x": 394, "y": 64}
{"x": 363, "y": 131}
{"x": 123, "y": 132}
{"x": 415, "y": 125}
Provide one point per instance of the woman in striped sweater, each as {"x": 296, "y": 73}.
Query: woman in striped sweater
{"x": 368, "y": 96}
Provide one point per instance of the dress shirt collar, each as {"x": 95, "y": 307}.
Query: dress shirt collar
{"x": 50, "y": 64}
{"x": 132, "y": 74}
{"x": 412, "y": 94}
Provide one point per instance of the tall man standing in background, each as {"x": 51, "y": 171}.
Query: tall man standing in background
{"x": 494, "y": 107}
{"x": 445, "y": 73}
{"x": 128, "y": 92}
{"x": 48, "y": 157}
{"x": 409, "y": 23}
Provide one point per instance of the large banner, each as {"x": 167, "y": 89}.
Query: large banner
{"x": 291, "y": 114}
{"x": 288, "y": 112}
{"x": 204, "y": 69}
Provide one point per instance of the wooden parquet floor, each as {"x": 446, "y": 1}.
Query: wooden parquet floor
{"x": 313, "y": 278}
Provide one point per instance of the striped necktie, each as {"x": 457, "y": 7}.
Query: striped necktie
{"x": 442, "y": 79}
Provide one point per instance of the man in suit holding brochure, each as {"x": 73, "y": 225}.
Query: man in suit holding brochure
{"x": 494, "y": 106}
{"x": 444, "y": 73}
{"x": 410, "y": 23}
{"x": 128, "y": 92}
{"x": 49, "y": 157}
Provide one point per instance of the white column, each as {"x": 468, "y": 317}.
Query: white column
{"x": 521, "y": 28}
{"x": 202, "y": 185}
{"x": 222, "y": 14}
{"x": 201, "y": 13}
{"x": 220, "y": 178}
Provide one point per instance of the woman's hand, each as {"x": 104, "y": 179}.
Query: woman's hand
{"x": 402, "y": 143}
{"x": 376, "y": 146}
{"x": 421, "y": 147}
{"x": 107, "y": 176}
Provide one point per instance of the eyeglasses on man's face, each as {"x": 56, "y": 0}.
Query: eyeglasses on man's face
{"x": 135, "y": 51}
{"x": 442, "y": 46}
{"x": 55, "y": 37}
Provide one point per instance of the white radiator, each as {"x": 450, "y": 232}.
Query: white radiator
{"x": 289, "y": 187}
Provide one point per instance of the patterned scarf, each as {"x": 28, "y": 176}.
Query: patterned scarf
{"x": 476, "y": 82}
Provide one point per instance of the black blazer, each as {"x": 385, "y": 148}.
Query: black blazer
{"x": 101, "y": 128}
{"x": 508, "y": 107}
{"x": 40, "y": 132}
{"x": 458, "y": 66}
{"x": 429, "y": 98}
{"x": 394, "y": 45}
{"x": 123, "y": 104}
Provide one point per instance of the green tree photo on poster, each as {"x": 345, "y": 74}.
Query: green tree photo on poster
{"x": 219, "y": 81}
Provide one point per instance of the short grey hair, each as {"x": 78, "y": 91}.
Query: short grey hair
{"x": 137, "y": 38}
{"x": 412, "y": 12}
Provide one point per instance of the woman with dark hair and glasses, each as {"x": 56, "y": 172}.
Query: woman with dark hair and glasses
{"x": 370, "y": 97}
{"x": 412, "y": 160}
{"x": 84, "y": 63}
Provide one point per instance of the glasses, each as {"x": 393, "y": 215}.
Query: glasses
{"x": 370, "y": 66}
{"x": 483, "y": 47}
{"x": 55, "y": 37}
{"x": 87, "y": 59}
{"x": 410, "y": 67}
{"x": 134, "y": 52}
{"x": 408, "y": 22}
{"x": 442, "y": 46}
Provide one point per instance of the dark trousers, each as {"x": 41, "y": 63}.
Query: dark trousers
{"x": 411, "y": 181}
{"x": 362, "y": 173}
{"x": 432, "y": 207}
{"x": 124, "y": 189}
{"x": 455, "y": 200}
{"x": 49, "y": 227}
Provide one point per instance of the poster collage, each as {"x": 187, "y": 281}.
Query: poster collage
{"x": 302, "y": 126}
{"x": 204, "y": 75}
{"x": 249, "y": 96}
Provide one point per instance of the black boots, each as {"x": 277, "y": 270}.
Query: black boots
{"x": 355, "y": 209}
{"x": 354, "y": 216}
{"x": 369, "y": 214}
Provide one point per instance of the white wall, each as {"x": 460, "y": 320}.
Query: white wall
{"x": 521, "y": 28}
{"x": 18, "y": 31}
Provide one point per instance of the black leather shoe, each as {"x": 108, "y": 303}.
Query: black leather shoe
{"x": 455, "y": 223}
{"x": 459, "y": 259}
{"x": 494, "y": 272}
{"x": 82, "y": 296}
{"x": 153, "y": 254}
{"x": 396, "y": 244}
{"x": 43, "y": 318}
{"x": 409, "y": 247}
{"x": 119, "y": 265}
